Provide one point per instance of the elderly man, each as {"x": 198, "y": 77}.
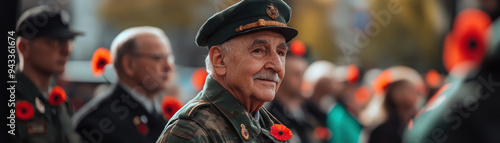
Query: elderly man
{"x": 44, "y": 48}
{"x": 131, "y": 112}
{"x": 247, "y": 49}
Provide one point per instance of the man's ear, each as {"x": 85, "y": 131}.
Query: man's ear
{"x": 217, "y": 59}
{"x": 128, "y": 65}
{"x": 21, "y": 47}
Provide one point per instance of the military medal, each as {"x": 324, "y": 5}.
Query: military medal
{"x": 140, "y": 124}
{"x": 39, "y": 105}
{"x": 244, "y": 132}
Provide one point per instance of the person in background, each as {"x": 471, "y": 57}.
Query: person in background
{"x": 44, "y": 49}
{"x": 131, "y": 111}
{"x": 401, "y": 106}
{"x": 288, "y": 102}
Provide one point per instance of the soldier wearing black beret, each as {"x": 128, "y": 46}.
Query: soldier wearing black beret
{"x": 247, "y": 50}
{"x": 44, "y": 45}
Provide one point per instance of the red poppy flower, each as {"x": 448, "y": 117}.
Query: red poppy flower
{"x": 382, "y": 81}
{"x": 467, "y": 42}
{"x": 57, "y": 96}
{"x": 322, "y": 133}
{"x": 362, "y": 95}
{"x": 198, "y": 79}
{"x": 142, "y": 129}
{"x": 24, "y": 110}
{"x": 297, "y": 48}
{"x": 281, "y": 132}
{"x": 170, "y": 106}
{"x": 352, "y": 74}
{"x": 100, "y": 59}
{"x": 433, "y": 78}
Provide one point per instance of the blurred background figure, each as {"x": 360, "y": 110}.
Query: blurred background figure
{"x": 288, "y": 102}
{"x": 42, "y": 111}
{"x": 400, "y": 105}
{"x": 131, "y": 111}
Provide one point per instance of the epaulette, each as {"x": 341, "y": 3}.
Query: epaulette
{"x": 192, "y": 107}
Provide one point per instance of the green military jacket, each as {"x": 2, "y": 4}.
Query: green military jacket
{"x": 214, "y": 115}
{"x": 49, "y": 124}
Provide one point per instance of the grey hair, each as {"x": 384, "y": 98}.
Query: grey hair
{"x": 124, "y": 43}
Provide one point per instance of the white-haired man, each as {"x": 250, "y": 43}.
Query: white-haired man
{"x": 247, "y": 49}
{"x": 130, "y": 112}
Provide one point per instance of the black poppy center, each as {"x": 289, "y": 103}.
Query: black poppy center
{"x": 24, "y": 111}
{"x": 169, "y": 110}
{"x": 101, "y": 63}
{"x": 281, "y": 132}
{"x": 56, "y": 98}
{"x": 472, "y": 44}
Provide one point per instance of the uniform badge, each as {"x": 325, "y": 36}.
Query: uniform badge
{"x": 272, "y": 11}
{"x": 36, "y": 127}
{"x": 244, "y": 132}
{"x": 39, "y": 105}
{"x": 140, "y": 124}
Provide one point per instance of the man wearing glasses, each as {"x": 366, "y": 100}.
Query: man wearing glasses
{"x": 131, "y": 111}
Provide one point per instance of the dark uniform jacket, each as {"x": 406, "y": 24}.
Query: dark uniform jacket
{"x": 214, "y": 115}
{"x": 117, "y": 118}
{"x": 49, "y": 124}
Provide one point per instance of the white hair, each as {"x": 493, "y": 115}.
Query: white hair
{"x": 129, "y": 34}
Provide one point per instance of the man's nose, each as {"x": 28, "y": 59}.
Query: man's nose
{"x": 274, "y": 62}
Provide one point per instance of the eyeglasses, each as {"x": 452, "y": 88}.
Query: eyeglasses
{"x": 155, "y": 57}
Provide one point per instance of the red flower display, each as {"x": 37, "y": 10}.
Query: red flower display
{"x": 170, "y": 106}
{"x": 297, "y": 48}
{"x": 100, "y": 59}
{"x": 281, "y": 132}
{"x": 57, "y": 96}
{"x": 24, "y": 110}
{"x": 198, "y": 78}
{"x": 468, "y": 40}
{"x": 352, "y": 74}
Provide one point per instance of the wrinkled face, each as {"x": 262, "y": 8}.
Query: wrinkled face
{"x": 256, "y": 64}
{"x": 292, "y": 82}
{"x": 47, "y": 54}
{"x": 151, "y": 62}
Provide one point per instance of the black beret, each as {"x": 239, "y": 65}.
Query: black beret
{"x": 245, "y": 17}
{"x": 45, "y": 21}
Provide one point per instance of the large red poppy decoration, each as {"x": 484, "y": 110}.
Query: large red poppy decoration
{"x": 100, "y": 59}
{"x": 281, "y": 132}
{"x": 467, "y": 42}
{"x": 57, "y": 96}
{"x": 198, "y": 78}
{"x": 170, "y": 106}
{"x": 24, "y": 110}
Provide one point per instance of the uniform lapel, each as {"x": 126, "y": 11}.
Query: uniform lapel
{"x": 232, "y": 110}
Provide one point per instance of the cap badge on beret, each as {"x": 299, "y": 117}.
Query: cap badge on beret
{"x": 272, "y": 11}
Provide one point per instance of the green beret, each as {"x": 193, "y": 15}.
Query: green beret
{"x": 245, "y": 17}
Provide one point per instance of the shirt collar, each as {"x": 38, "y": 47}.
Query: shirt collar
{"x": 142, "y": 99}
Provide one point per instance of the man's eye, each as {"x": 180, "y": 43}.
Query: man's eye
{"x": 257, "y": 50}
{"x": 281, "y": 53}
